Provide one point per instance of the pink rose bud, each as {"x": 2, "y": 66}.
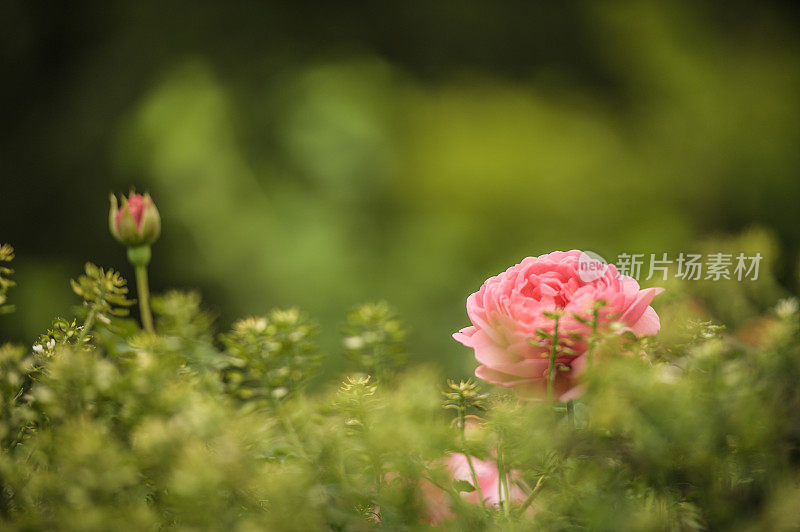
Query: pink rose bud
{"x": 137, "y": 222}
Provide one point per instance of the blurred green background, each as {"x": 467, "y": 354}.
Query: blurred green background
{"x": 324, "y": 154}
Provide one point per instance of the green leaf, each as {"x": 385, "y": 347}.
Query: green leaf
{"x": 463, "y": 486}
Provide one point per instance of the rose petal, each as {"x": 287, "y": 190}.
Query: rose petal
{"x": 639, "y": 305}
{"x": 648, "y": 325}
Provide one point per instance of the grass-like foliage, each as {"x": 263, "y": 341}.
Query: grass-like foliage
{"x": 6, "y": 256}
{"x": 108, "y": 427}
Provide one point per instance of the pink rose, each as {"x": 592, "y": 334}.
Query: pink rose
{"x": 509, "y": 308}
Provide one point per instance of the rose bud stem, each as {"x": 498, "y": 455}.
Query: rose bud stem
{"x": 137, "y": 224}
{"x": 140, "y": 257}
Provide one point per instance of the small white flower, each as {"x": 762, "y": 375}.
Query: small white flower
{"x": 787, "y": 308}
{"x": 354, "y": 342}
{"x": 37, "y": 348}
{"x": 280, "y": 393}
{"x": 51, "y": 343}
{"x": 669, "y": 374}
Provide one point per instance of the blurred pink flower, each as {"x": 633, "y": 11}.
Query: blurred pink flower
{"x": 509, "y": 308}
{"x": 488, "y": 478}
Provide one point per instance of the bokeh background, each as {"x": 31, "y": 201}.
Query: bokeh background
{"x": 325, "y": 154}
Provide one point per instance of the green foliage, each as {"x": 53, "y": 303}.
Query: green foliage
{"x": 6, "y": 256}
{"x": 374, "y": 339}
{"x": 185, "y": 330}
{"x": 463, "y": 397}
{"x": 356, "y": 398}
{"x": 179, "y": 314}
{"x": 271, "y": 356}
{"x": 104, "y": 294}
{"x": 16, "y": 368}
{"x": 124, "y": 429}
{"x": 62, "y": 332}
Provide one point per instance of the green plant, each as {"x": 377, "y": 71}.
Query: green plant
{"x": 6, "y": 256}
{"x": 106, "y": 425}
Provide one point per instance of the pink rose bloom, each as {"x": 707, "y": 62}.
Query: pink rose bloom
{"x": 509, "y": 308}
{"x": 488, "y": 478}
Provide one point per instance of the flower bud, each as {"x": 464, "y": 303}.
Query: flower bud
{"x": 136, "y": 222}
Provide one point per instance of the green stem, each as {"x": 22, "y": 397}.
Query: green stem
{"x": 290, "y": 431}
{"x": 531, "y": 495}
{"x": 139, "y": 256}
{"x": 455, "y": 496}
{"x": 502, "y": 482}
{"x": 551, "y": 367}
{"x": 592, "y": 338}
{"x": 87, "y": 325}
{"x": 507, "y": 500}
{"x": 143, "y": 291}
{"x": 19, "y": 437}
{"x": 462, "y": 420}
{"x": 499, "y": 473}
{"x": 571, "y": 413}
